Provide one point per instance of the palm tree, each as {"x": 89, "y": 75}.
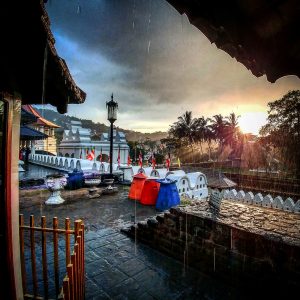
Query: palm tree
{"x": 200, "y": 131}
{"x": 218, "y": 127}
{"x": 184, "y": 131}
{"x": 232, "y": 129}
{"x": 185, "y": 128}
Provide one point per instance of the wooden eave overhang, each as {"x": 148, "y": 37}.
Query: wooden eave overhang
{"x": 262, "y": 35}
{"x": 30, "y": 65}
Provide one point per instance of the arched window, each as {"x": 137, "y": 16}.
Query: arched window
{"x": 67, "y": 155}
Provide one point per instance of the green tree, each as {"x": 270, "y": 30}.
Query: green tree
{"x": 232, "y": 130}
{"x": 218, "y": 127}
{"x": 185, "y": 128}
{"x": 283, "y": 129}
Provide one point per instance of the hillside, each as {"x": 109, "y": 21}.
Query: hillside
{"x": 97, "y": 128}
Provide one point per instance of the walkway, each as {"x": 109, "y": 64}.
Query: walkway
{"x": 116, "y": 267}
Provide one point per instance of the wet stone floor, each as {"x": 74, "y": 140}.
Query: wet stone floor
{"x": 116, "y": 266}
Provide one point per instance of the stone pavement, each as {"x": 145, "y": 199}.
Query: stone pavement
{"x": 117, "y": 268}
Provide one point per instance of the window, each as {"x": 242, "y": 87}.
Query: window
{"x": 183, "y": 190}
{"x": 179, "y": 190}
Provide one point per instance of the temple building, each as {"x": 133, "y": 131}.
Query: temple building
{"x": 77, "y": 140}
{"x": 44, "y": 126}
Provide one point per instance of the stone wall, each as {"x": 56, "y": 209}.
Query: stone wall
{"x": 238, "y": 243}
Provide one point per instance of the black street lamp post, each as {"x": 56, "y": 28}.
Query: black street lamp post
{"x": 112, "y": 107}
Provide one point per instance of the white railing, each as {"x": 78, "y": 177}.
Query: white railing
{"x": 267, "y": 201}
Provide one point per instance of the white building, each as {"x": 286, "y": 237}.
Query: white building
{"x": 44, "y": 126}
{"x": 76, "y": 140}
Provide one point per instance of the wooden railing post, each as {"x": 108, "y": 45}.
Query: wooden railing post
{"x": 73, "y": 260}
{"x": 33, "y": 258}
{"x": 22, "y": 253}
{"x": 66, "y": 288}
{"x": 55, "y": 253}
{"x": 44, "y": 256}
{"x": 70, "y": 274}
{"x": 79, "y": 265}
{"x": 67, "y": 236}
{"x": 82, "y": 258}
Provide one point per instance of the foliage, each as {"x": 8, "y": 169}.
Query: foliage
{"x": 281, "y": 135}
{"x": 184, "y": 201}
{"x": 196, "y": 136}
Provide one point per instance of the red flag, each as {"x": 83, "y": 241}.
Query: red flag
{"x": 128, "y": 160}
{"x": 140, "y": 159}
{"x": 119, "y": 159}
{"x": 87, "y": 153}
{"x": 153, "y": 161}
{"x": 92, "y": 155}
{"x": 168, "y": 161}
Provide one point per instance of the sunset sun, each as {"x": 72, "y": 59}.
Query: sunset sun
{"x": 251, "y": 122}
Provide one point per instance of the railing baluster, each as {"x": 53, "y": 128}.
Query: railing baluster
{"x": 79, "y": 265}
{"x": 73, "y": 260}
{"x": 55, "y": 253}
{"x": 76, "y": 229}
{"x": 33, "y": 258}
{"x": 81, "y": 258}
{"x": 44, "y": 257}
{"x": 83, "y": 269}
{"x": 71, "y": 280}
{"x": 67, "y": 236}
{"x": 66, "y": 288}
{"x": 77, "y": 270}
{"x": 22, "y": 253}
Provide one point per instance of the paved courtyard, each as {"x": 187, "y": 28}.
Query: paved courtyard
{"x": 116, "y": 266}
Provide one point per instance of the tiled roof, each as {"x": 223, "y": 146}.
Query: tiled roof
{"x": 40, "y": 120}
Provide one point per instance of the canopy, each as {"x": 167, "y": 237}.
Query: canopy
{"x": 27, "y": 133}
{"x": 137, "y": 186}
{"x": 168, "y": 194}
{"x": 150, "y": 191}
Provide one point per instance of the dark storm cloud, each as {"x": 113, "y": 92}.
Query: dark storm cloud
{"x": 148, "y": 37}
{"x": 149, "y": 55}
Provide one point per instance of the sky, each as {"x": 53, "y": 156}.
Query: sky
{"x": 156, "y": 64}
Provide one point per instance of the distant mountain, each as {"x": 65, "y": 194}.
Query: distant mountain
{"x": 97, "y": 128}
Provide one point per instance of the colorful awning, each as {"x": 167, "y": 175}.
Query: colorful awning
{"x": 27, "y": 133}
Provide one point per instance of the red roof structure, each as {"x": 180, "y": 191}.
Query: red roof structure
{"x": 40, "y": 119}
